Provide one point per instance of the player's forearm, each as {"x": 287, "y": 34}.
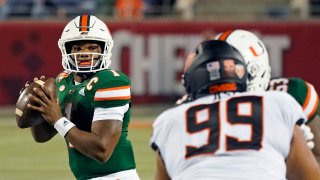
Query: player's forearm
{"x": 315, "y": 129}
{"x": 318, "y": 160}
{"x": 43, "y": 132}
{"x": 161, "y": 172}
{"x": 92, "y": 145}
{"x": 301, "y": 163}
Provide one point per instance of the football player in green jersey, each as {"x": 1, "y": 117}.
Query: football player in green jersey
{"x": 256, "y": 57}
{"x": 92, "y": 108}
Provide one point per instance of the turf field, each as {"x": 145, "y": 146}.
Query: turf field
{"x": 23, "y": 159}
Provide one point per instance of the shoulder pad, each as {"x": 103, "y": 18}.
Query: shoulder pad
{"x": 111, "y": 88}
{"x": 111, "y": 78}
{"x": 63, "y": 75}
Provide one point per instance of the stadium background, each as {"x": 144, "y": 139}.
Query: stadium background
{"x": 150, "y": 46}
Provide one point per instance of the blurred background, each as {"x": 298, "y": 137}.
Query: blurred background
{"x": 152, "y": 39}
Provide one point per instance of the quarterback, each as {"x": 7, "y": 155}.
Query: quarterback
{"x": 256, "y": 57}
{"x": 92, "y": 108}
{"x": 224, "y": 132}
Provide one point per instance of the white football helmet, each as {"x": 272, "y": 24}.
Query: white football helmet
{"x": 255, "y": 55}
{"x": 86, "y": 28}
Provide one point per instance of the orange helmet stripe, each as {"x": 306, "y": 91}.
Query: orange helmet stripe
{"x": 225, "y": 35}
{"x": 84, "y": 22}
{"x": 253, "y": 51}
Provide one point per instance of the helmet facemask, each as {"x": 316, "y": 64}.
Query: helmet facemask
{"x": 86, "y": 62}
{"x": 259, "y": 76}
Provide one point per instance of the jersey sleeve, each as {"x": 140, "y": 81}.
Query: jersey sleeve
{"x": 306, "y": 95}
{"x": 159, "y": 131}
{"x": 112, "y": 90}
{"x": 291, "y": 109}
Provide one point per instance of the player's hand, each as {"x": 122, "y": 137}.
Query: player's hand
{"x": 28, "y": 83}
{"x": 48, "y": 104}
{"x": 308, "y": 135}
{"x": 36, "y": 78}
{"x": 182, "y": 99}
{"x": 25, "y": 85}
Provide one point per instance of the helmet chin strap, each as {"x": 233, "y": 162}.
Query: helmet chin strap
{"x": 87, "y": 75}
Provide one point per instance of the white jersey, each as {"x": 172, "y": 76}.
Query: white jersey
{"x": 245, "y": 136}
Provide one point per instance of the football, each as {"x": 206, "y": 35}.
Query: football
{"x": 26, "y": 117}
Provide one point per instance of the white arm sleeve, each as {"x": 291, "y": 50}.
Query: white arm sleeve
{"x": 114, "y": 113}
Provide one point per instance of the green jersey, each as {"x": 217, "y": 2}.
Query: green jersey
{"x": 106, "y": 89}
{"x": 302, "y": 91}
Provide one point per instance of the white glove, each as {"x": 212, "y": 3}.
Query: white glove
{"x": 308, "y": 135}
{"x": 182, "y": 99}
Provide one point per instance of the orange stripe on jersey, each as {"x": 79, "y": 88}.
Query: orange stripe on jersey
{"x": 114, "y": 93}
{"x": 113, "y": 98}
{"x": 306, "y": 102}
{"x": 253, "y": 51}
{"x": 225, "y": 35}
{"x": 84, "y": 22}
{"x": 311, "y": 103}
{"x": 314, "y": 109}
{"x": 113, "y": 88}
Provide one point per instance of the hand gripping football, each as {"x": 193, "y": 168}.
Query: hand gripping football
{"x": 26, "y": 117}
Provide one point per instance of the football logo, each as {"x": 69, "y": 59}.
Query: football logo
{"x": 213, "y": 68}
{"x": 82, "y": 91}
{"x": 240, "y": 71}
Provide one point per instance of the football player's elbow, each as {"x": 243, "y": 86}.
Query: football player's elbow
{"x": 103, "y": 156}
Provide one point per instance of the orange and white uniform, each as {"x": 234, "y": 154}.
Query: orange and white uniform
{"x": 243, "y": 136}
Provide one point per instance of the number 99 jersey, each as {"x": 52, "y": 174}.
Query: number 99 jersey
{"x": 245, "y": 136}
